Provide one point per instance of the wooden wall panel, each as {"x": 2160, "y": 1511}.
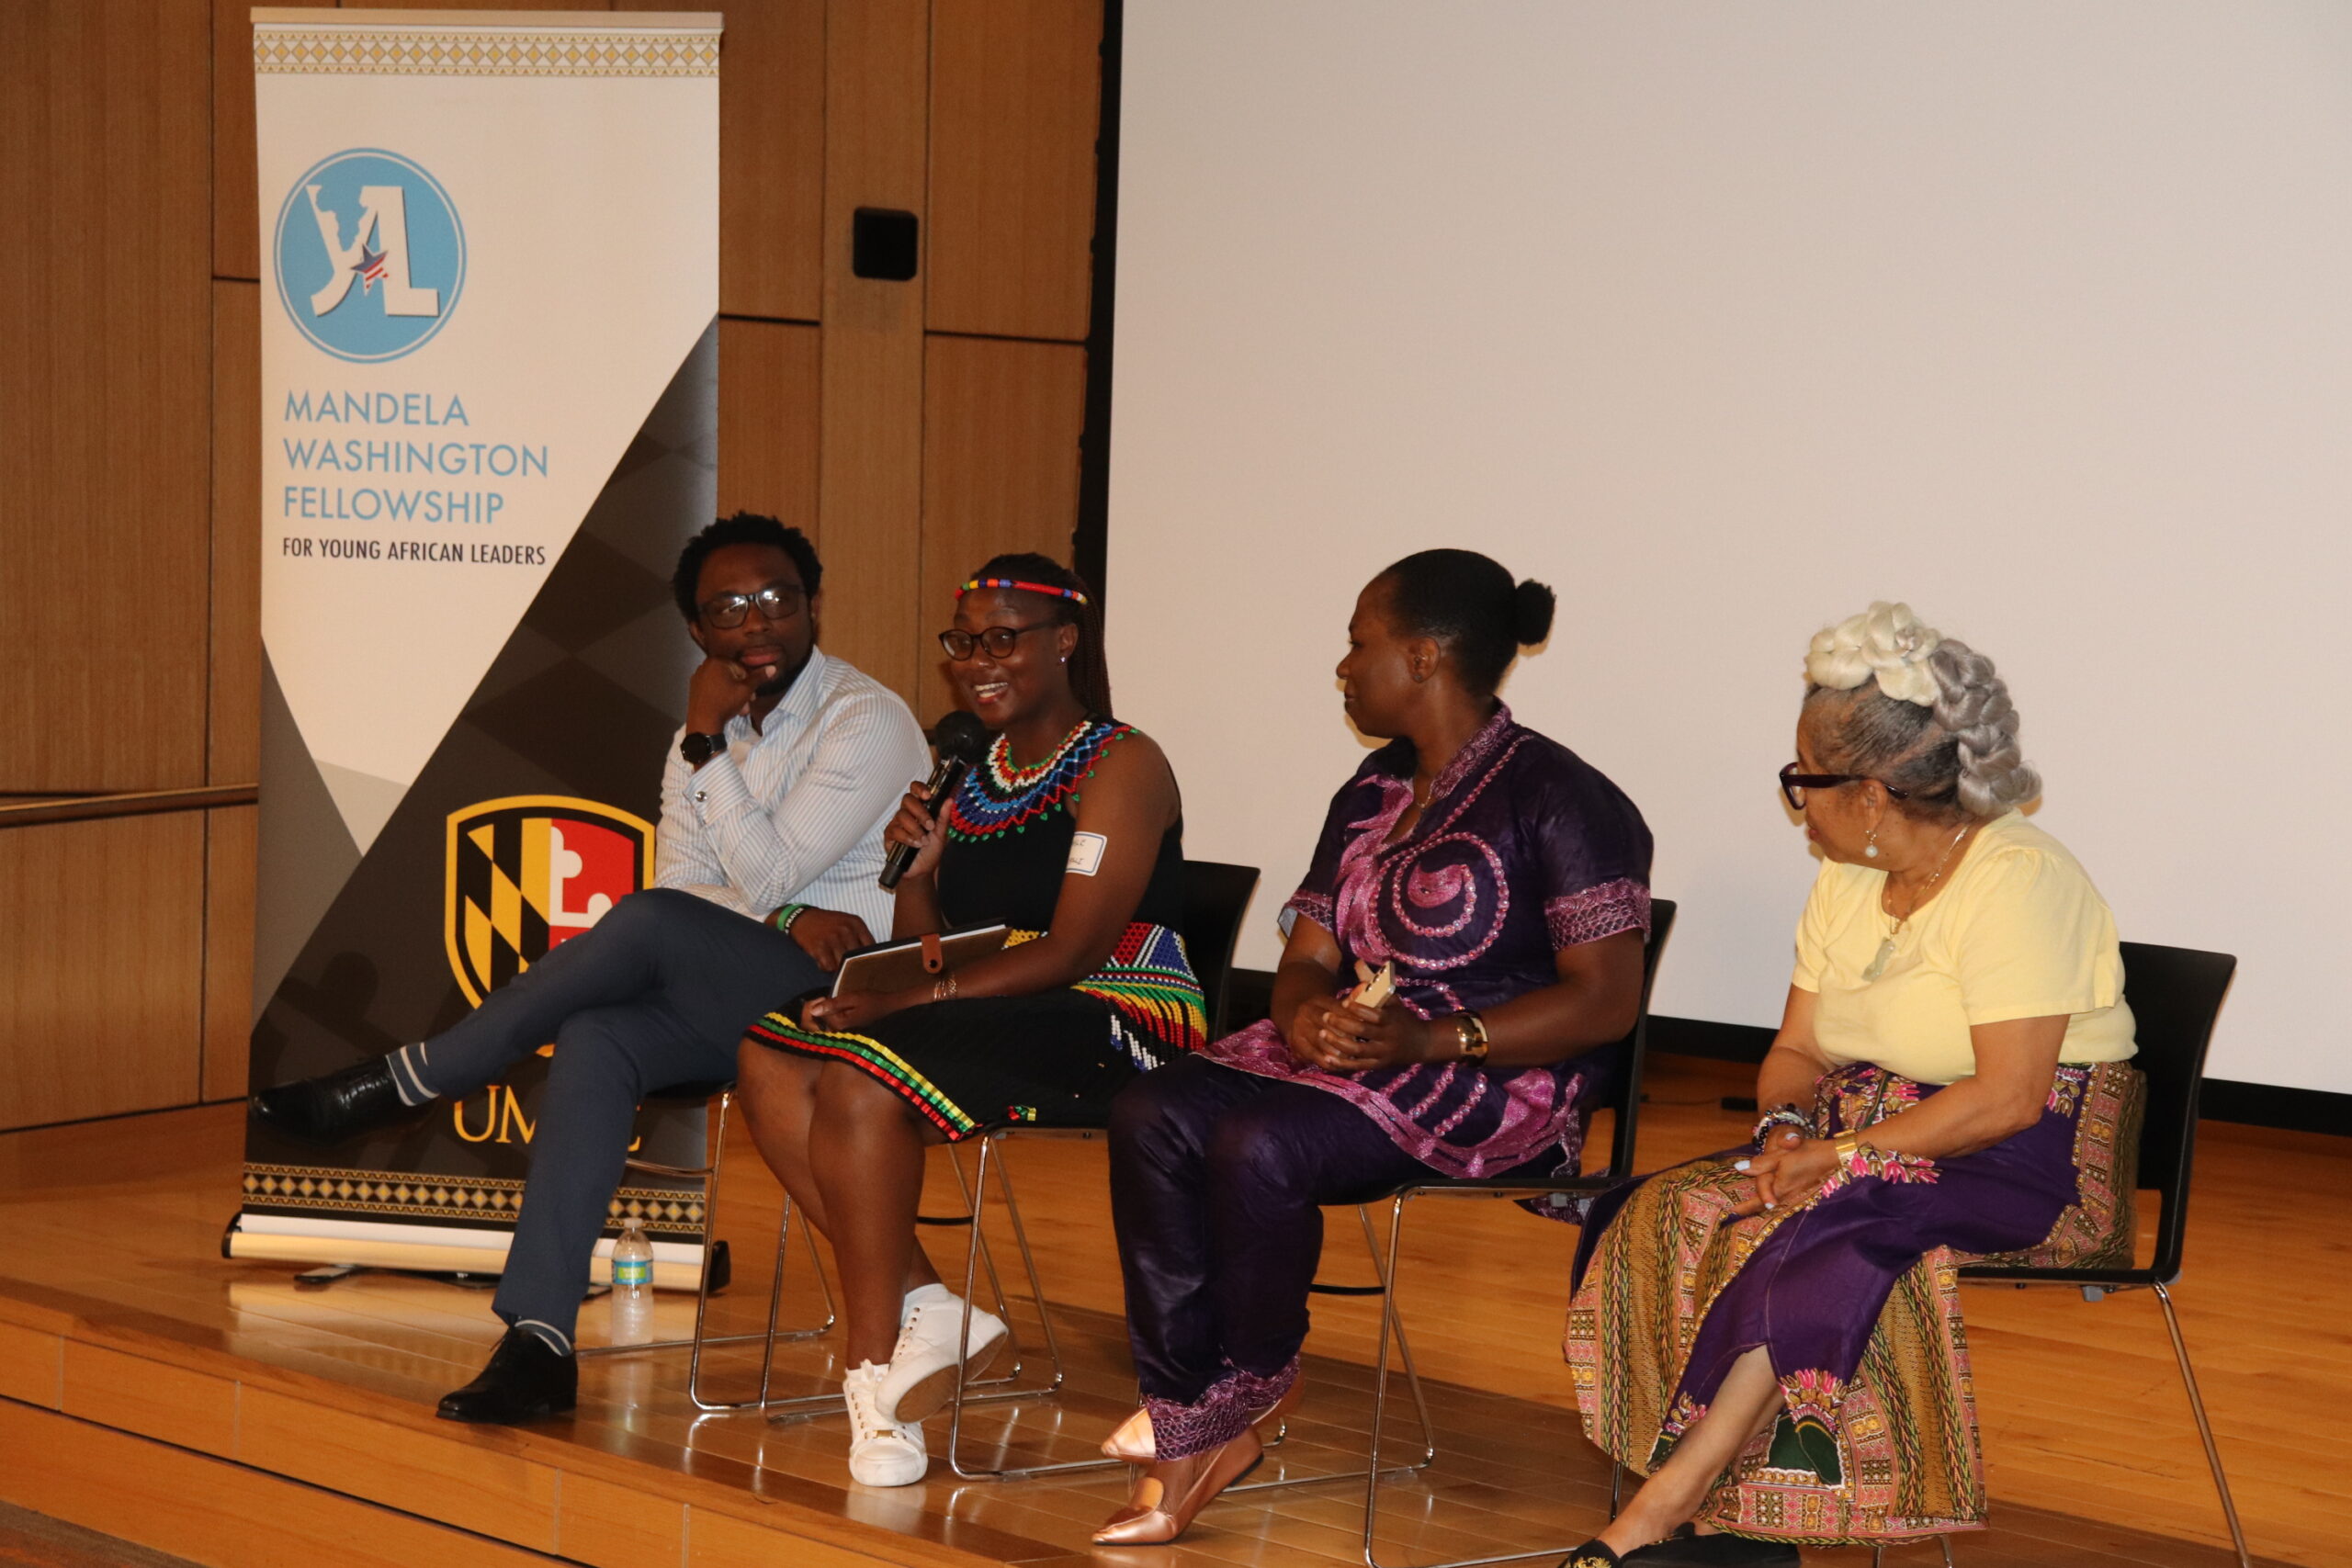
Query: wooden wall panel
{"x": 236, "y": 224}
{"x": 233, "y": 738}
{"x": 767, "y": 420}
{"x": 869, "y": 500}
{"x": 1015, "y": 88}
{"x": 999, "y": 467}
{"x": 106, "y": 316}
{"x": 101, "y": 975}
{"x": 771, "y": 155}
{"x": 230, "y": 844}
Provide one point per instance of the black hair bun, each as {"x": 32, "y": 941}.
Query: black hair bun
{"x": 1531, "y": 607}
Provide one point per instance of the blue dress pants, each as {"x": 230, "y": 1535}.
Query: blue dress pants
{"x": 655, "y": 994}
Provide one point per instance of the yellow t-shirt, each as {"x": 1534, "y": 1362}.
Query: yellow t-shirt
{"x": 2018, "y": 932}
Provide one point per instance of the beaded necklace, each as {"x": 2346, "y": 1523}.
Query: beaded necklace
{"x": 1011, "y": 775}
{"x": 1007, "y": 797}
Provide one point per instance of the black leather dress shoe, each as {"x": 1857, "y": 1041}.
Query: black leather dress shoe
{"x": 528, "y": 1378}
{"x": 332, "y": 1108}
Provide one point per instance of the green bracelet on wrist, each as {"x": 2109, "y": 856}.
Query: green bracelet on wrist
{"x": 784, "y": 917}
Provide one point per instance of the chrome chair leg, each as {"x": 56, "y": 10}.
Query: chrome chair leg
{"x": 807, "y": 1407}
{"x": 1011, "y": 1374}
{"x": 767, "y": 1354}
{"x": 776, "y": 1289}
{"x": 1391, "y": 1326}
{"x": 2204, "y": 1426}
{"x": 695, "y": 1346}
{"x": 1373, "y": 1475}
{"x": 978, "y": 1196}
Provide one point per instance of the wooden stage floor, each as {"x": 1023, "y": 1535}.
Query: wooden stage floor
{"x": 209, "y": 1408}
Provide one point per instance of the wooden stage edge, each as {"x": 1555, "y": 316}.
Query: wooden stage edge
{"x": 150, "y": 1390}
{"x": 120, "y": 1422}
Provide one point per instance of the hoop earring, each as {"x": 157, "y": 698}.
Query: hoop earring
{"x": 1871, "y": 850}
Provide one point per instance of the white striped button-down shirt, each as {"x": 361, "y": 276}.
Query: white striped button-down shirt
{"x": 793, "y": 813}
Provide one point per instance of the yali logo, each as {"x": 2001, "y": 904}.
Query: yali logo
{"x": 370, "y": 254}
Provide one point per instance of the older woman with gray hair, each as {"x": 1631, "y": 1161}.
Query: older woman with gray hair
{"x": 1772, "y": 1335}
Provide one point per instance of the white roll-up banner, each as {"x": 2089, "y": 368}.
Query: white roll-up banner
{"x": 490, "y": 296}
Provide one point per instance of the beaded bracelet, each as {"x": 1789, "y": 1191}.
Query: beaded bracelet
{"x": 786, "y": 914}
{"x": 1781, "y": 1116}
{"x": 944, "y": 987}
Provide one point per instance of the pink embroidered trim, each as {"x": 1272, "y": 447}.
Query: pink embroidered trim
{"x": 1868, "y": 1160}
{"x": 1539, "y": 1112}
{"x": 1219, "y": 1416}
{"x": 1603, "y": 910}
{"x": 1316, "y": 906}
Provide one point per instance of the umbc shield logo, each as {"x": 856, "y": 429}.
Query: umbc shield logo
{"x": 370, "y": 256}
{"x": 529, "y": 872}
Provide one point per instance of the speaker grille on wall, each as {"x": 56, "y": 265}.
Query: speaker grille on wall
{"x": 883, "y": 244}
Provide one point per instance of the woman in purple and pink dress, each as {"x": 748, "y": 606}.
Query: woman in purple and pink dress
{"x": 1508, "y": 883}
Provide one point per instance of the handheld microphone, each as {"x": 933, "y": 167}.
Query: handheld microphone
{"x": 960, "y": 740}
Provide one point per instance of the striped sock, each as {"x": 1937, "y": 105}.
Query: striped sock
{"x": 548, "y": 1334}
{"x": 406, "y": 1062}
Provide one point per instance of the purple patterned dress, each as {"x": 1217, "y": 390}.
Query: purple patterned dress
{"x": 1524, "y": 849}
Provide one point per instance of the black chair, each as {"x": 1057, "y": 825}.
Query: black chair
{"x": 1560, "y": 1191}
{"x": 2174, "y": 994}
{"x": 1216, "y": 898}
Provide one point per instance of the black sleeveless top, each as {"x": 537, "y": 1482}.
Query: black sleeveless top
{"x": 1010, "y": 829}
{"x": 1009, "y": 834}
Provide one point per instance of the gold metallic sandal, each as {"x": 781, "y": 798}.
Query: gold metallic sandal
{"x": 1150, "y": 1519}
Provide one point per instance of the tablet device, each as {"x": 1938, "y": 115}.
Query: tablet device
{"x": 899, "y": 965}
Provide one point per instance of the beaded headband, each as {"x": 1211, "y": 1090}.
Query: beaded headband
{"x": 1024, "y": 587}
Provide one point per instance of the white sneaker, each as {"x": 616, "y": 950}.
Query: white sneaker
{"x": 921, "y": 1377}
{"x": 881, "y": 1452}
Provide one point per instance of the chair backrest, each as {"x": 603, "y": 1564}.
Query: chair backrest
{"x": 2174, "y": 994}
{"x": 1627, "y": 1099}
{"x": 1215, "y": 896}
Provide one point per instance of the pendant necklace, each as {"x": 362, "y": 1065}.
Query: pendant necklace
{"x": 1886, "y": 949}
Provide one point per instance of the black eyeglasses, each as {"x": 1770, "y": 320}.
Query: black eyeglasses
{"x": 1794, "y": 785}
{"x": 998, "y": 641}
{"x": 776, "y": 603}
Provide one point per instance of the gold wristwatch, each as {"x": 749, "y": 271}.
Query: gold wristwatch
{"x": 1472, "y": 1032}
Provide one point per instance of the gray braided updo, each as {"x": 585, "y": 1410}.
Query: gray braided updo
{"x": 1953, "y": 754}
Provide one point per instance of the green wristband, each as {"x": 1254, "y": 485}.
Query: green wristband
{"x": 788, "y": 913}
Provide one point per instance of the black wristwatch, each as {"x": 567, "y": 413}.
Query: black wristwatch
{"x": 700, "y": 748}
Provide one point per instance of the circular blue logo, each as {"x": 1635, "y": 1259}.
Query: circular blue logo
{"x": 370, "y": 254}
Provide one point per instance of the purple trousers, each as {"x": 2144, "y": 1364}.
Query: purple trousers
{"x": 1218, "y": 1183}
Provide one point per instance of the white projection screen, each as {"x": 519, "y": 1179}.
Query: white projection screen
{"x": 1726, "y": 320}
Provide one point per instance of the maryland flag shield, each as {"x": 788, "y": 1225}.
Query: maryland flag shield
{"x": 529, "y": 872}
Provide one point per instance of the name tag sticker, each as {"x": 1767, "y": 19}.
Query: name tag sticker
{"x": 1086, "y": 854}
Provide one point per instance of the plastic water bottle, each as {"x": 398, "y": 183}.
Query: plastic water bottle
{"x": 632, "y": 1286}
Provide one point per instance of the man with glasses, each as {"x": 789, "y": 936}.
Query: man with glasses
{"x": 773, "y": 804}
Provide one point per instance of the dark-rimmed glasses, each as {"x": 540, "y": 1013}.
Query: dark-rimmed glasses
{"x": 999, "y": 640}
{"x": 775, "y": 602}
{"x": 1794, "y": 785}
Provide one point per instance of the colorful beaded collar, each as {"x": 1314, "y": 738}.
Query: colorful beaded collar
{"x": 1005, "y": 796}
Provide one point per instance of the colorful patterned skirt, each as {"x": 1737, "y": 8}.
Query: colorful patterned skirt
{"x": 1054, "y": 1059}
{"x": 1855, "y": 1295}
